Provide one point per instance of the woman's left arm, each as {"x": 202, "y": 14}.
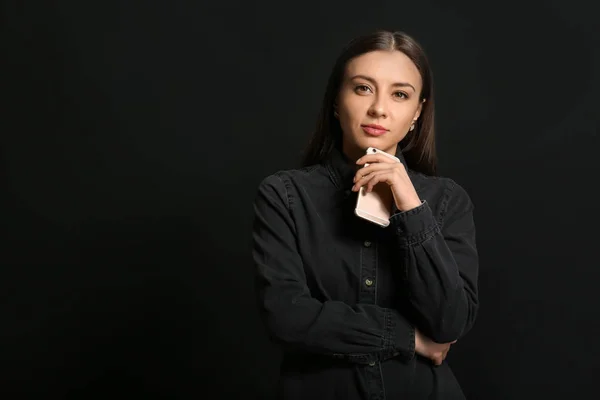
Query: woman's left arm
{"x": 442, "y": 263}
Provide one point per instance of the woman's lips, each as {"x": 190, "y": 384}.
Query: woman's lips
{"x": 373, "y": 131}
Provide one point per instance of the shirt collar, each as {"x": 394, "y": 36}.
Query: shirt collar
{"x": 343, "y": 169}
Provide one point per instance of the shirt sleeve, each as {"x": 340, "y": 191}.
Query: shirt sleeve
{"x": 441, "y": 262}
{"x": 363, "y": 333}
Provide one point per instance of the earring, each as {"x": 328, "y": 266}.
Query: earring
{"x": 335, "y": 114}
{"x": 412, "y": 127}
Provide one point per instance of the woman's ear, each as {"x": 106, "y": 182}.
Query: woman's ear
{"x": 419, "y": 109}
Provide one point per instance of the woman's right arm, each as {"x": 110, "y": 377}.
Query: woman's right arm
{"x": 364, "y": 333}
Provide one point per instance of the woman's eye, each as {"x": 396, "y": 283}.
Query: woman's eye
{"x": 401, "y": 95}
{"x": 363, "y": 88}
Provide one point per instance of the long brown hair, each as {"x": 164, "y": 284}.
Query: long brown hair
{"x": 418, "y": 147}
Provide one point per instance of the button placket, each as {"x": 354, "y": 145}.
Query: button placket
{"x": 368, "y": 268}
{"x": 368, "y": 295}
{"x": 374, "y": 381}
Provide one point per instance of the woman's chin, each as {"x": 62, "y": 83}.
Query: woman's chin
{"x": 359, "y": 145}
{"x": 377, "y": 143}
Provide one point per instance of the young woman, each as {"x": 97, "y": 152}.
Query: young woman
{"x": 361, "y": 311}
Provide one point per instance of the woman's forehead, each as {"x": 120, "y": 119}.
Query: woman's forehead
{"x": 385, "y": 67}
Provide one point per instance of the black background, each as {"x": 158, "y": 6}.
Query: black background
{"x": 134, "y": 135}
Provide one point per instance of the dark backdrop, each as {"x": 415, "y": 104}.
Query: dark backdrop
{"x": 134, "y": 135}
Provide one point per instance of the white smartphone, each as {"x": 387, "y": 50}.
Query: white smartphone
{"x": 376, "y": 206}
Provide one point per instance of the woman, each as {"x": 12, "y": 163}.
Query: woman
{"x": 361, "y": 311}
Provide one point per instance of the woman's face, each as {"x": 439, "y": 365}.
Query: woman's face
{"x": 378, "y": 101}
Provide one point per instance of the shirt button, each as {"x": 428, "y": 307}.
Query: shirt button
{"x": 368, "y": 282}
{"x": 367, "y": 243}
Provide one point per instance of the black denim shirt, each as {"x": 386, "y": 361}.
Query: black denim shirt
{"x": 343, "y": 296}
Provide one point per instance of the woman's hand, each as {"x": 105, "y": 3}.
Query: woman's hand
{"x": 384, "y": 169}
{"x": 426, "y": 347}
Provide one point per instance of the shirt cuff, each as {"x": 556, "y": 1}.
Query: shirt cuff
{"x": 402, "y": 337}
{"x": 415, "y": 225}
